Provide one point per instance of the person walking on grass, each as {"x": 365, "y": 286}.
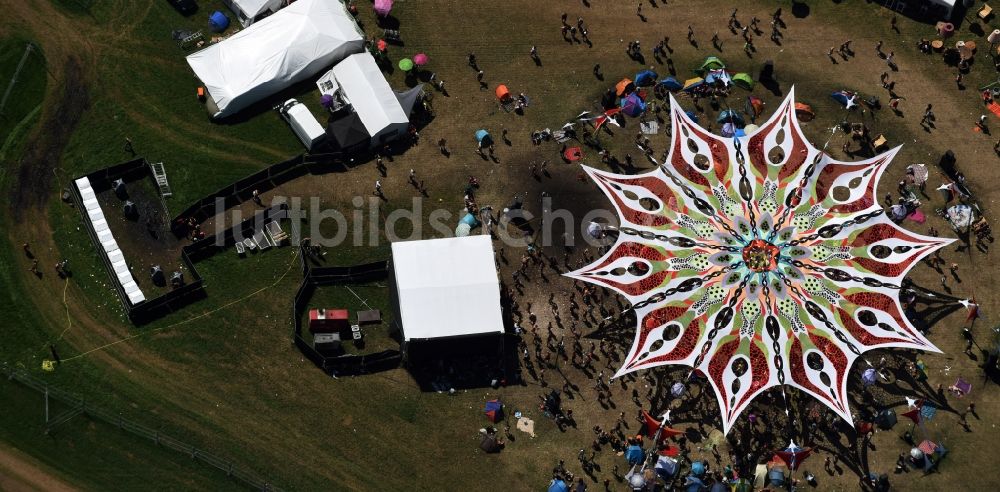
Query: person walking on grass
{"x": 378, "y": 189}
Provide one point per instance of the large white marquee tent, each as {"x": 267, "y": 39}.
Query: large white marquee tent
{"x": 292, "y": 45}
{"x": 447, "y": 288}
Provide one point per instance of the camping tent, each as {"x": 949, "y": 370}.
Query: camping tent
{"x": 503, "y": 93}
{"x": 847, "y": 98}
{"x": 743, "y": 80}
{"x": 710, "y": 63}
{"x": 728, "y": 129}
{"x": 250, "y": 11}
{"x": 218, "y": 21}
{"x": 634, "y": 454}
{"x": 645, "y": 78}
{"x": 671, "y": 84}
{"x": 446, "y": 288}
{"x": 290, "y": 46}
{"x": 885, "y": 419}
{"x": 557, "y": 485}
{"x": 624, "y": 86}
{"x": 804, "y": 112}
{"x": 366, "y": 90}
{"x": 484, "y": 138}
{"x": 718, "y": 77}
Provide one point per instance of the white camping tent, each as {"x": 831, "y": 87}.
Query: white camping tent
{"x": 290, "y": 46}
{"x": 365, "y": 88}
{"x": 447, "y": 287}
{"x": 250, "y": 11}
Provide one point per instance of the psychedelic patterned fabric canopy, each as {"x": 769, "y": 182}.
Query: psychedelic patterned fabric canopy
{"x": 760, "y": 261}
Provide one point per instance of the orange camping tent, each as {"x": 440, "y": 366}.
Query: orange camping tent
{"x": 624, "y": 87}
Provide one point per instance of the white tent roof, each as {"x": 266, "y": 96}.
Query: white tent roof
{"x": 293, "y": 44}
{"x": 364, "y": 86}
{"x": 254, "y": 7}
{"x": 447, "y": 287}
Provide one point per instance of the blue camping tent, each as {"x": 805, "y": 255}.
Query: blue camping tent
{"x": 558, "y": 485}
{"x": 671, "y": 84}
{"x": 692, "y": 115}
{"x": 846, "y": 98}
{"x": 730, "y": 116}
{"x": 698, "y": 468}
{"x": 645, "y": 78}
{"x": 484, "y": 138}
{"x": 633, "y": 105}
{"x": 218, "y": 21}
{"x": 634, "y": 454}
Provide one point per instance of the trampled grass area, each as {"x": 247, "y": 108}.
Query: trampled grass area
{"x": 24, "y": 99}
{"x": 223, "y": 371}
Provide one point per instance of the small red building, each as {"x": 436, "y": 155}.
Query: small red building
{"x": 329, "y": 321}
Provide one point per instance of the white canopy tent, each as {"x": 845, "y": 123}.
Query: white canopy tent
{"x": 290, "y": 46}
{"x": 447, "y": 287}
{"x": 250, "y": 11}
{"x": 365, "y": 88}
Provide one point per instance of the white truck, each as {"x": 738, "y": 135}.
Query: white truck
{"x": 303, "y": 123}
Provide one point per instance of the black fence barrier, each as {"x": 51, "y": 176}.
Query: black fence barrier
{"x": 339, "y": 275}
{"x": 149, "y": 309}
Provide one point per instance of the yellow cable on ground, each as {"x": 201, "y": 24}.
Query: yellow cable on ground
{"x": 202, "y": 315}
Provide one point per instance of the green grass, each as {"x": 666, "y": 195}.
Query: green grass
{"x": 113, "y": 459}
{"x": 26, "y": 93}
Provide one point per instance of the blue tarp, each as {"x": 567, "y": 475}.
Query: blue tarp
{"x": 645, "y": 78}
{"x": 671, "y": 84}
{"x": 218, "y": 21}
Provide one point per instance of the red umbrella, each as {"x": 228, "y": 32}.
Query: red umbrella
{"x": 381, "y": 45}
{"x": 420, "y": 59}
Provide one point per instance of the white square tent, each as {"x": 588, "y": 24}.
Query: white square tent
{"x": 292, "y": 45}
{"x": 250, "y": 11}
{"x": 446, "y": 289}
{"x": 366, "y": 90}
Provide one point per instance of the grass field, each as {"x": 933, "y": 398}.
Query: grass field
{"x": 223, "y": 372}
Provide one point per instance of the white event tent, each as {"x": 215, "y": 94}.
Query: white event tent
{"x": 292, "y": 45}
{"x": 446, "y": 288}
{"x": 366, "y": 90}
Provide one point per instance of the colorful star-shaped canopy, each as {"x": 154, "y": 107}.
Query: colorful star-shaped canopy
{"x": 760, "y": 261}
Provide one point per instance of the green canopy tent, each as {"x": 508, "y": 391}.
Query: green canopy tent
{"x": 710, "y": 63}
{"x": 743, "y": 80}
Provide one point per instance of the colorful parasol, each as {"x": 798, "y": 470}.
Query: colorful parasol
{"x": 381, "y": 45}
{"x": 382, "y": 7}
{"x": 777, "y": 265}
{"x": 420, "y": 59}
{"x": 406, "y": 64}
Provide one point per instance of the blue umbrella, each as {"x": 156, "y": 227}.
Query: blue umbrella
{"x": 558, "y": 485}
{"x": 671, "y": 84}
{"x": 698, "y": 468}
{"x": 633, "y": 105}
{"x": 483, "y": 137}
{"x": 730, "y": 116}
{"x": 645, "y": 78}
{"x": 634, "y": 454}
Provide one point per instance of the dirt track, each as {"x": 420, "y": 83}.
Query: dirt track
{"x": 19, "y": 473}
